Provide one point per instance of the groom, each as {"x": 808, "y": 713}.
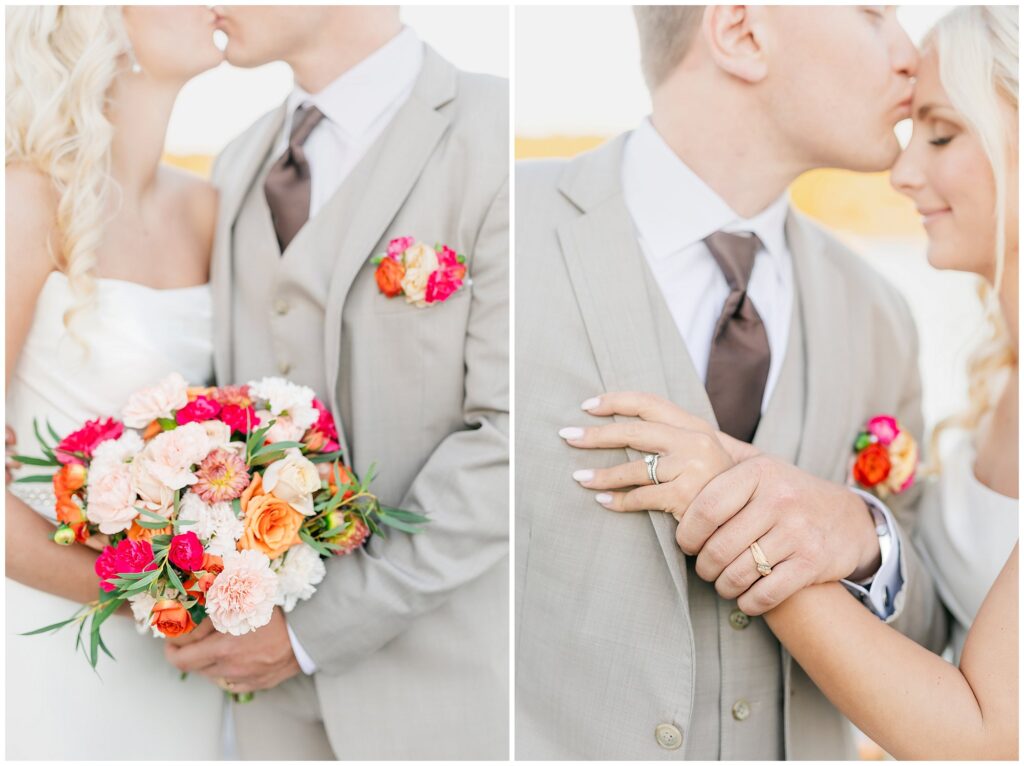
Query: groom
{"x": 402, "y": 652}
{"x": 631, "y": 251}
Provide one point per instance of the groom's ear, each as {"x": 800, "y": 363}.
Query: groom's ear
{"x": 735, "y": 36}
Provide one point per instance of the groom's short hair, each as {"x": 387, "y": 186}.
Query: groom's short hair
{"x": 666, "y": 34}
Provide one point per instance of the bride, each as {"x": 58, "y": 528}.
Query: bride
{"x": 107, "y": 263}
{"x": 961, "y": 170}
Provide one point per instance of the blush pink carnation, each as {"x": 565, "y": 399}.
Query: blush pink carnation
{"x": 112, "y": 499}
{"x": 186, "y": 552}
{"x": 86, "y": 439}
{"x": 200, "y": 409}
{"x": 242, "y": 596}
{"x": 398, "y": 246}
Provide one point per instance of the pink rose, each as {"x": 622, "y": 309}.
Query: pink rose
{"x": 86, "y": 438}
{"x": 133, "y": 556}
{"x": 106, "y": 568}
{"x": 885, "y": 428}
{"x": 111, "y": 500}
{"x": 238, "y": 418}
{"x": 199, "y": 409}
{"x": 398, "y": 246}
{"x": 186, "y": 552}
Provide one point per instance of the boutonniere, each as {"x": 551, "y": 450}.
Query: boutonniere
{"x": 424, "y": 275}
{"x": 884, "y": 457}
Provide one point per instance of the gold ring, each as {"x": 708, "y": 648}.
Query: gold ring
{"x": 760, "y": 560}
{"x": 225, "y": 684}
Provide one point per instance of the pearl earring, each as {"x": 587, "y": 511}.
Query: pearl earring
{"x": 135, "y": 66}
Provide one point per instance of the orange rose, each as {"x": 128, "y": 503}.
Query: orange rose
{"x": 346, "y": 479}
{"x": 68, "y": 511}
{"x": 197, "y": 586}
{"x": 152, "y": 430}
{"x": 135, "y": 532}
{"x": 389, "y": 277}
{"x": 872, "y": 465}
{"x": 69, "y": 479}
{"x": 171, "y": 618}
{"x": 271, "y": 525}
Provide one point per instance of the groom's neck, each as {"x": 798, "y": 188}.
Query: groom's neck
{"x": 726, "y": 143}
{"x": 340, "y": 45}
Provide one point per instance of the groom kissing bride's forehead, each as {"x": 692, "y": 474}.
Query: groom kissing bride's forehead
{"x": 672, "y": 264}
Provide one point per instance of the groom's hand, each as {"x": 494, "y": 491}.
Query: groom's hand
{"x": 810, "y": 530}
{"x": 258, "y": 660}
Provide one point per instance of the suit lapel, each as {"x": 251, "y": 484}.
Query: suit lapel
{"x": 407, "y": 145}
{"x": 824, "y": 303}
{"x": 631, "y": 332}
{"x": 233, "y": 191}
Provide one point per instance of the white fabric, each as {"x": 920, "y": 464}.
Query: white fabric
{"x": 966, "y": 533}
{"x": 357, "y": 106}
{"x": 878, "y": 592}
{"x": 135, "y": 336}
{"x": 673, "y": 210}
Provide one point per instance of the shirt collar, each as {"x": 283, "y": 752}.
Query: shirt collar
{"x": 673, "y": 208}
{"x": 358, "y": 97}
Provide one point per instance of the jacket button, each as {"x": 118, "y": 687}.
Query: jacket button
{"x": 741, "y": 710}
{"x": 668, "y": 736}
{"x": 281, "y": 307}
{"x": 738, "y": 620}
{"x": 284, "y": 367}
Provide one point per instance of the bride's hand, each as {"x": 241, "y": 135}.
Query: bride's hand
{"x": 10, "y": 448}
{"x": 691, "y": 453}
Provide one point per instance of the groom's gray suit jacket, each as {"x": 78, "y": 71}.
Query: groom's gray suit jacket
{"x": 410, "y": 635}
{"x": 622, "y": 652}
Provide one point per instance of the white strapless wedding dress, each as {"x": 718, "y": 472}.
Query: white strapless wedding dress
{"x": 135, "y": 708}
{"x": 965, "y": 533}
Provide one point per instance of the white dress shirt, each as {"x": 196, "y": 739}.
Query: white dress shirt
{"x": 673, "y": 210}
{"x": 357, "y": 107}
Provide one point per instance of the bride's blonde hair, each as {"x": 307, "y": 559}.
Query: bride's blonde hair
{"x": 61, "y": 61}
{"x": 978, "y": 66}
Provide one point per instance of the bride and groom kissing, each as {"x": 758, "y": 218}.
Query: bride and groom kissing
{"x": 121, "y": 270}
{"x": 709, "y": 615}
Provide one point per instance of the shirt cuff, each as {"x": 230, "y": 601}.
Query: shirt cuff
{"x": 878, "y": 592}
{"x": 305, "y": 661}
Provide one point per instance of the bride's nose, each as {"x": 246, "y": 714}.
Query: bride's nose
{"x": 906, "y": 175}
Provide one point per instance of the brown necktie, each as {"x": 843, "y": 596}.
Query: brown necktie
{"x": 740, "y": 356}
{"x": 287, "y": 186}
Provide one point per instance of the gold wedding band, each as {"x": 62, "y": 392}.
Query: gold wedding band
{"x": 763, "y": 567}
{"x": 225, "y": 684}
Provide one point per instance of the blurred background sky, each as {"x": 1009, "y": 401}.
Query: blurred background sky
{"x": 578, "y": 82}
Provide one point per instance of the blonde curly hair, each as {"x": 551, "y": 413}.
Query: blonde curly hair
{"x": 978, "y": 66}
{"x": 61, "y": 61}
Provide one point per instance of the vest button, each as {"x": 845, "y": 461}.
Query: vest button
{"x": 281, "y": 307}
{"x": 741, "y": 710}
{"x": 668, "y": 736}
{"x": 738, "y": 620}
{"x": 284, "y": 367}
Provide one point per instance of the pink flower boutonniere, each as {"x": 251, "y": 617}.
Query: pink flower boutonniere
{"x": 884, "y": 457}
{"x": 424, "y": 275}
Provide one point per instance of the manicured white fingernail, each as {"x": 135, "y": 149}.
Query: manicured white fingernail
{"x": 603, "y": 498}
{"x": 571, "y": 433}
{"x": 591, "y": 403}
{"x": 584, "y": 474}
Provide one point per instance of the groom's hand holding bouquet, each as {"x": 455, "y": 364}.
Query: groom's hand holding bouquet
{"x": 217, "y": 505}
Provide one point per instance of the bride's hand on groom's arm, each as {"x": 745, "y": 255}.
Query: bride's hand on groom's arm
{"x": 726, "y": 496}
{"x": 251, "y": 662}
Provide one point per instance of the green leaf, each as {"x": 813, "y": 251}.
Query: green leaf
{"x": 175, "y": 581}
{"x": 50, "y": 628}
{"x": 54, "y": 434}
{"x": 26, "y": 460}
{"x": 275, "y": 446}
{"x": 167, "y": 424}
{"x": 152, "y": 524}
{"x": 184, "y": 522}
{"x": 149, "y": 514}
{"x": 402, "y": 526}
{"x": 38, "y": 479}
{"x": 103, "y": 646}
{"x": 325, "y": 457}
{"x": 410, "y": 516}
{"x": 39, "y": 437}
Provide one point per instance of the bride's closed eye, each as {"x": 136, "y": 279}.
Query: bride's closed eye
{"x": 942, "y": 132}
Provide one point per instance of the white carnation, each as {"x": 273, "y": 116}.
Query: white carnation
{"x": 299, "y": 571}
{"x": 111, "y": 454}
{"x": 160, "y": 401}
{"x": 142, "y": 608}
{"x": 286, "y": 398}
{"x": 217, "y": 527}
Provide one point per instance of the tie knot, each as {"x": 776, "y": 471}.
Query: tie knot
{"x": 735, "y": 256}
{"x": 304, "y": 120}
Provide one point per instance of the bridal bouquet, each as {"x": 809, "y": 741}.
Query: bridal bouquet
{"x": 217, "y": 503}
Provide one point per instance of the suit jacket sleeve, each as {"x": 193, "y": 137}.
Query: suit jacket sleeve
{"x": 918, "y": 614}
{"x": 463, "y": 487}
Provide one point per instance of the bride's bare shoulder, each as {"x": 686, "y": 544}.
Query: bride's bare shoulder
{"x": 31, "y": 217}
{"x": 197, "y": 200}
